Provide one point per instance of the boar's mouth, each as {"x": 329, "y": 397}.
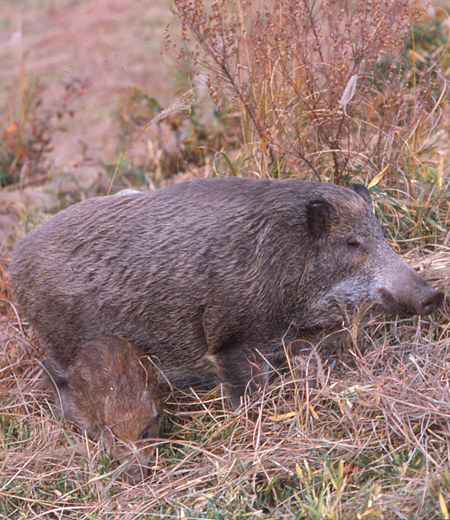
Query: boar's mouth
{"x": 407, "y": 309}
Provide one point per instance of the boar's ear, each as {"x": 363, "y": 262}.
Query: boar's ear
{"x": 319, "y": 216}
{"x": 363, "y": 192}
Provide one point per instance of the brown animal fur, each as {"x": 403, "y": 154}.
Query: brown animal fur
{"x": 213, "y": 275}
{"x": 110, "y": 391}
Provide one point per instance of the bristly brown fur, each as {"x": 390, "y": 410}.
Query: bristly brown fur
{"x": 212, "y": 275}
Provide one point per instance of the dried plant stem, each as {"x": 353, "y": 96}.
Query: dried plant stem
{"x": 183, "y": 103}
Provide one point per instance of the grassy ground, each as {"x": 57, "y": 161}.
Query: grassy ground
{"x": 371, "y": 442}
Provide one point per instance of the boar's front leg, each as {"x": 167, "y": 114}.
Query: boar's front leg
{"x": 242, "y": 369}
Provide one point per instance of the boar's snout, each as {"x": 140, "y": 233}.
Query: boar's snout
{"x": 431, "y": 303}
{"x": 426, "y": 302}
{"x": 404, "y": 292}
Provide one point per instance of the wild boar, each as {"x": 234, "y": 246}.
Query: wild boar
{"x": 110, "y": 391}
{"x": 212, "y": 275}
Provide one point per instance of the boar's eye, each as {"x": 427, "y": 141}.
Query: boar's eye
{"x": 354, "y": 245}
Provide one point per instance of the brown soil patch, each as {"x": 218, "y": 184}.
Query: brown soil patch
{"x": 103, "y": 47}
{"x": 109, "y": 45}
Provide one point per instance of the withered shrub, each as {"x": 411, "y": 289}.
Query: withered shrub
{"x": 321, "y": 86}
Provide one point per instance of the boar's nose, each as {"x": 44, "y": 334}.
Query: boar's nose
{"x": 430, "y": 304}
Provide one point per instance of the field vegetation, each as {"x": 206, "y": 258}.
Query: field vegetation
{"x": 337, "y": 91}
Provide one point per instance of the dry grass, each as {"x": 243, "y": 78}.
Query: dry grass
{"x": 373, "y": 441}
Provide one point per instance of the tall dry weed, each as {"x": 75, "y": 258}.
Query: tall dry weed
{"x": 322, "y": 87}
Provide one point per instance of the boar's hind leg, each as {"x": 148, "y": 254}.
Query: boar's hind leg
{"x": 242, "y": 369}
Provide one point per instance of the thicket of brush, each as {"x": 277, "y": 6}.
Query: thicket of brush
{"x": 330, "y": 90}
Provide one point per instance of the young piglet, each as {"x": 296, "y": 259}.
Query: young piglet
{"x": 111, "y": 391}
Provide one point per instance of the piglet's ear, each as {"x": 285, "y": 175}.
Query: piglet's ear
{"x": 363, "y": 192}
{"x": 319, "y": 217}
